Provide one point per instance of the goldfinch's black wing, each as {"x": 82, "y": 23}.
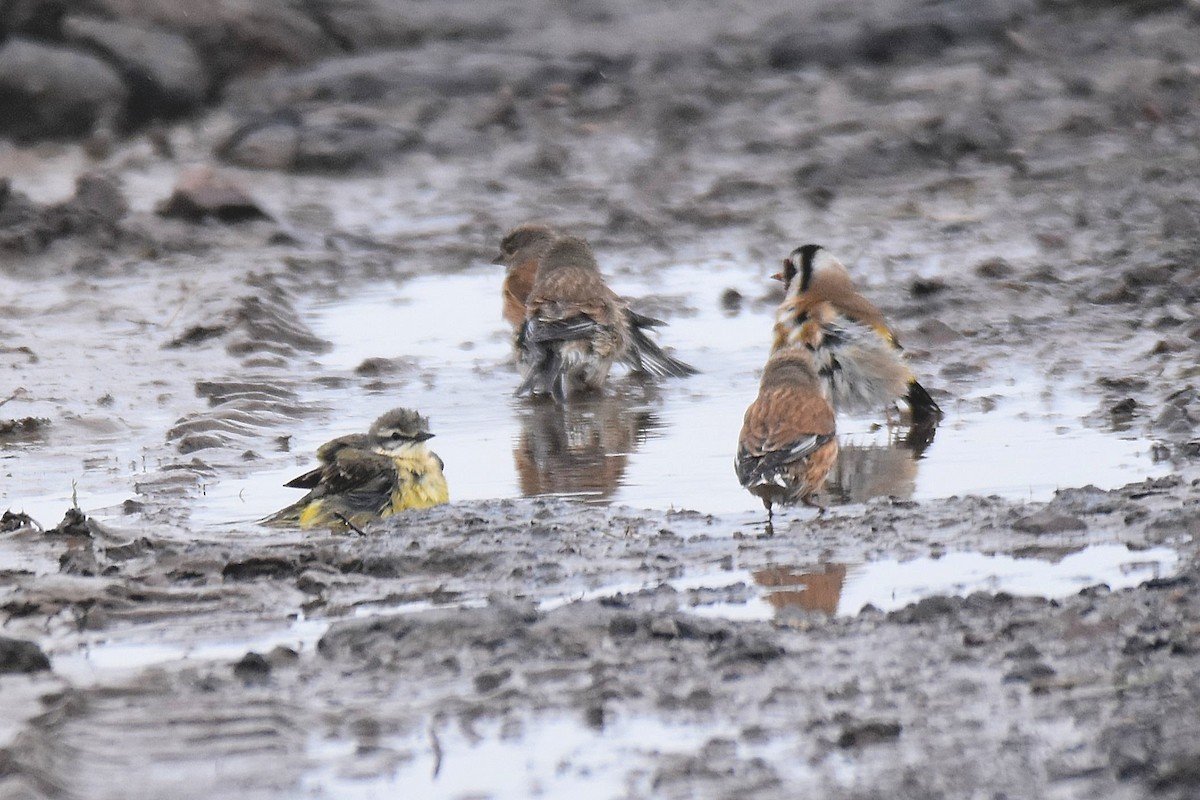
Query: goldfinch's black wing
{"x": 754, "y": 468}
{"x": 924, "y": 408}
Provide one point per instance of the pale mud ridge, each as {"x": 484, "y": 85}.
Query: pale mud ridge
{"x": 1018, "y": 183}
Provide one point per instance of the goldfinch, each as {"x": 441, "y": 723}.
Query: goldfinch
{"x": 858, "y": 356}
{"x": 788, "y": 440}
{"x": 363, "y": 477}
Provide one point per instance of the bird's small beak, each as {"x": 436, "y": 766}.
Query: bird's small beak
{"x": 781, "y": 276}
{"x": 498, "y": 259}
{"x": 420, "y": 437}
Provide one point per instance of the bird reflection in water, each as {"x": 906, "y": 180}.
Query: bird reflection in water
{"x": 865, "y": 471}
{"x": 818, "y": 590}
{"x": 581, "y": 448}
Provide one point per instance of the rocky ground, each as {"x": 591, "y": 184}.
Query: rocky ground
{"x": 1022, "y": 176}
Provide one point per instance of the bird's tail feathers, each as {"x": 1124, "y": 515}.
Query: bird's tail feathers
{"x": 924, "y": 408}
{"x": 285, "y": 517}
{"x": 642, "y": 321}
{"x": 646, "y": 356}
{"x": 545, "y": 376}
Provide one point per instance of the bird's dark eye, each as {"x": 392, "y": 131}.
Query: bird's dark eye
{"x": 396, "y": 436}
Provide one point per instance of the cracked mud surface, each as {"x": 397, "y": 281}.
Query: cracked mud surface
{"x": 1016, "y": 185}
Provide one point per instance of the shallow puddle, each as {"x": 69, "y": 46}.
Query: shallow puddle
{"x": 775, "y": 592}
{"x": 557, "y": 757}
{"x": 94, "y": 656}
{"x": 668, "y": 445}
{"x": 846, "y": 589}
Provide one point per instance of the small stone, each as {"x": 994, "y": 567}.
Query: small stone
{"x": 253, "y": 668}
{"x": 99, "y": 199}
{"x": 50, "y": 90}
{"x": 927, "y": 287}
{"x": 269, "y": 143}
{"x": 1111, "y": 294}
{"x": 20, "y": 656}
{"x": 1049, "y": 521}
{"x": 374, "y": 367}
{"x": 994, "y": 268}
{"x": 936, "y": 332}
{"x": 664, "y": 628}
{"x": 202, "y": 193}
{"x": 731, "y": 302}
{"x": 1025, "y": 651}
{"x": 868, "y": 733}
{"x": 162, "y": 68}
{"x": 487, "y": 681}
{"x": 622, "y": 625}
{"x": 927, "y": 609}
{"x": 1030, "y": 671}
{"x": 594, "y": 717}
{"x": 1123, "y": 409}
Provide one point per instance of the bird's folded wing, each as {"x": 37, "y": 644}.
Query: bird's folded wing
{"x": 542, "y": 331}
{"x": 758, "y": 467}
{"x": 358, "y": 473}
{"x": 570, "y": 292}
{"x": 326, "y": 454}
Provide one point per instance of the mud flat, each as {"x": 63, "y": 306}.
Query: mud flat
{"x": 1010, "y": 609}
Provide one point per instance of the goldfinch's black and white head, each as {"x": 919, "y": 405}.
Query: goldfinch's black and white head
{"x": 810, "y": 264}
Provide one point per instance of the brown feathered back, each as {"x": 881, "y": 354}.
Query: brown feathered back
{"x": 790, "y": 404}
{"x": 569, "y": 282}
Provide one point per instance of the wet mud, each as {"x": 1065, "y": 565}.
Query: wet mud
{"x": 1006, "y": 606}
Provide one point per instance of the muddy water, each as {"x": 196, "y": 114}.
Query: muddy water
{"x": 1018, "y": 435}
{"x": 553, "y": 758}
{"x": 846, "y": 589}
